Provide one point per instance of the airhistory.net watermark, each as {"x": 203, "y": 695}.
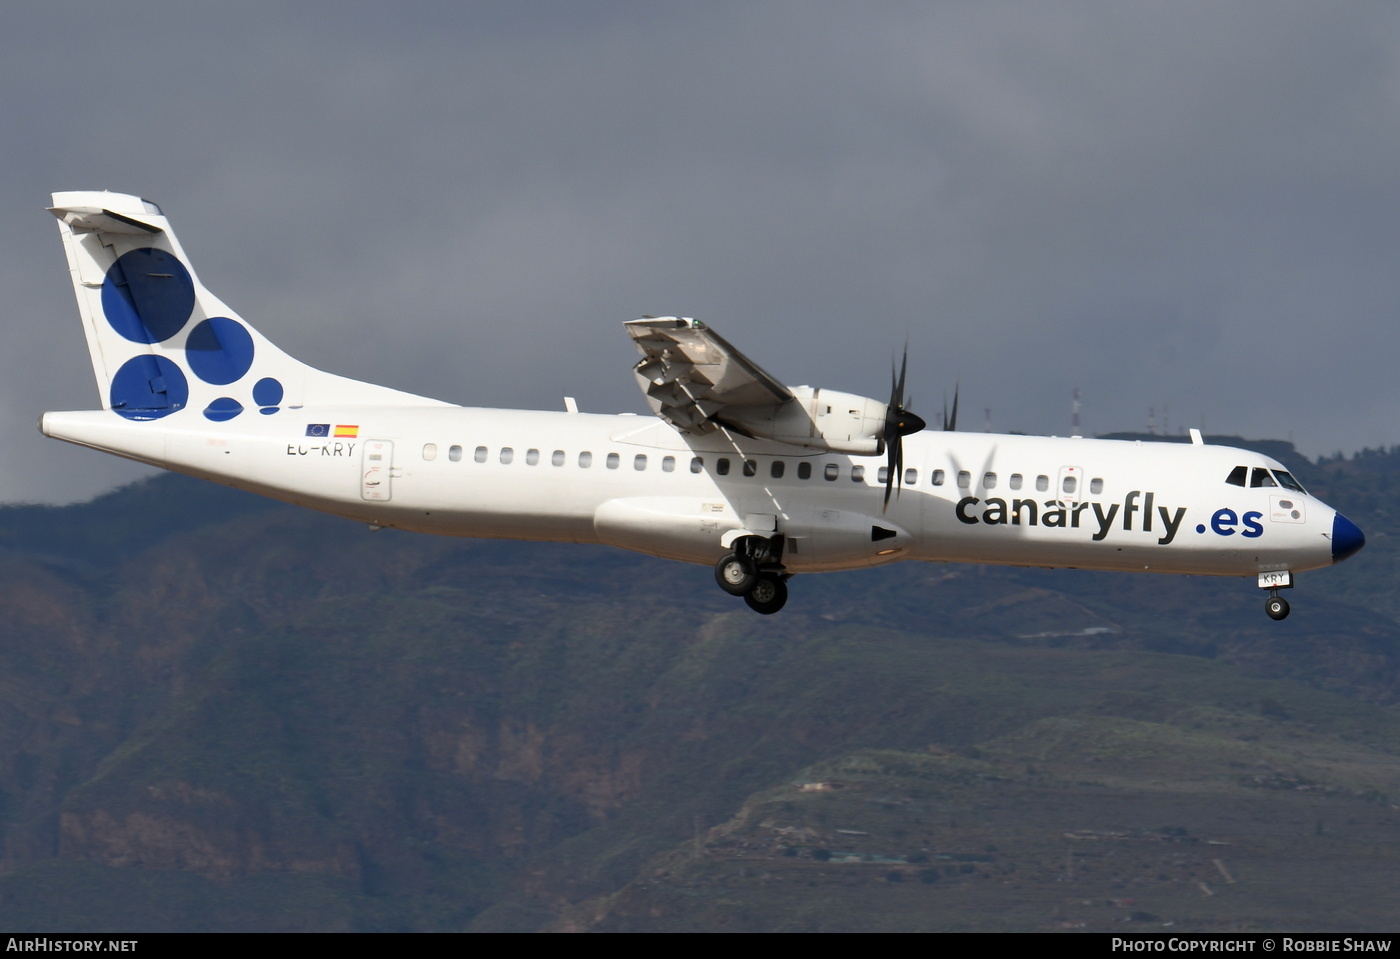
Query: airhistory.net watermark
{"x": 84, "y": 944}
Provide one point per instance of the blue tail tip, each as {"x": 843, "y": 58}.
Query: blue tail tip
{"x": 1347, "y": 538}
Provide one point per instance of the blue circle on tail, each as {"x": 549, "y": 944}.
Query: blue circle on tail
{"x": 267, "y": 392}
{"x": 147, "y": 295}
{"x": 219, "y": 350}
{"x": 148, "y": 387}
{"x": 224, "y": 408}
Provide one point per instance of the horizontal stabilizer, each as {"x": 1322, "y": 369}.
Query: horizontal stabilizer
{"x": 89, "y": 220}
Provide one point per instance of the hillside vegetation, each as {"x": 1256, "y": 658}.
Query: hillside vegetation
{"x": 217, "y": 712}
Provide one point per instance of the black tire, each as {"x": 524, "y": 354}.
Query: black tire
{"x": 1276, "y": 607}
{"x": 736, "y": 574}
{"x": 768, "y": 595}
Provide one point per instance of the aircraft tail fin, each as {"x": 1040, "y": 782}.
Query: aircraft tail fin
{"x": 161, "y": 343}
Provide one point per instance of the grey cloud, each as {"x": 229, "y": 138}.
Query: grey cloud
{"x": 1189, "y": 204}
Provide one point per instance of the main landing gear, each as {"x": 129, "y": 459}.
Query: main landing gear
{"x": 755, "y": 571}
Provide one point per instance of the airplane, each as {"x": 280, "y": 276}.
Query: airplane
{"x": 735, "y": 470}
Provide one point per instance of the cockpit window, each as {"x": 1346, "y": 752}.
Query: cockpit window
{"x": 1261, "y": 477}
{"x": 1286, "y": 480}
{"x": 1237, "y": 476}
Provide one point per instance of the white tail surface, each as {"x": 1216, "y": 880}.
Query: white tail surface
{"x": 161, "y": 344}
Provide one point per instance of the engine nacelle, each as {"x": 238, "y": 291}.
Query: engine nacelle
{"x": 831, "y": 539}
{"x": 817, "y": 419}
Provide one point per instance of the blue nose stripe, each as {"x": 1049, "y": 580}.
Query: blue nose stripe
{"x": 1347, "y": 538}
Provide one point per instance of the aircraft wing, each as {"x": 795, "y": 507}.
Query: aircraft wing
{"x": 694, "y": 380}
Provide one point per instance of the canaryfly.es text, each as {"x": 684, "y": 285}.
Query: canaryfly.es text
{"x": 1137, "y": 509}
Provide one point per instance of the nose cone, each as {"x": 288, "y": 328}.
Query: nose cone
{"x": 1347, "y": 538}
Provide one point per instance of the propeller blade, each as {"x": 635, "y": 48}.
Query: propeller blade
{"x": 891, "y": 449}
{"x": 899, "y": 386}
{"x": 951, "y": 424}
{"x": 899, "y": 423}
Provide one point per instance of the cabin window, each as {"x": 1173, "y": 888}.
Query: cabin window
{"x": 830, "y": 471}
{"x": 532, "y": 457}
{"x": 429, "y": 451}
{"x": 722, "y": 466}
{"x": 668, "y": 464}
{"x": 804, "y": 470}
{"x": 989, "y": 481}
{"x": 776, "y": 470}
{"x": 613, "y": 460}
{"x": 858, "y": 474}
{"x": 750, "y": 468}
{"x": 1096, "y": 485}
{"x": 938, "y": 477}
{"x": 964, "y": 479}
{"x": 697, "y": 465}
{"x": 639, "y": 462}
{"x": 1070, "y": 484}
{"x": 1015, "y": 481}
{"x": 1237, "y": 476}
{"x": 507, "y": 455}
{"x": 1042, "y": 482}
{"x": 1286, "y": 480}
{"x": 557, "y": 458}
{"x": 911, "y": 477}
{"x": 1261, "y": 477}
{"x": 882, "y": 475}
{"x": 480, "y": 454}
{"x": 454, "y": 453}
{"x": 585, "y": 459}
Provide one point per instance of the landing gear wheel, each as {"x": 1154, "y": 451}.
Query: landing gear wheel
{"x": 1276, "y": 607}
{"x": 768, "y": 595}
{"x": 736, "y": 574}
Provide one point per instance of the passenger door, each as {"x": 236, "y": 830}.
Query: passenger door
{"x": 376, "y": 471}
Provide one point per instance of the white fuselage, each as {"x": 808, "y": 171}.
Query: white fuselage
{"x": 635, "y": 482}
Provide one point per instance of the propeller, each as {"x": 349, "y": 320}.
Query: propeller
{"x": 899, "y": 423}
{"x": 950, "y": 423}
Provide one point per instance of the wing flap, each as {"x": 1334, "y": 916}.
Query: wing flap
{"x": 691, "y": 376}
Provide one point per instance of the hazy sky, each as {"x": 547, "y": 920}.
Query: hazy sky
{"x": 1183, "y": 205}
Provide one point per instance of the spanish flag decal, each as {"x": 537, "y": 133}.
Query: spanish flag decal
{"x": 346, "y": 432}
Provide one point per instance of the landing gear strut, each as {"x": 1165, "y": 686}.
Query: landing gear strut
{"x": 755, "y": 571}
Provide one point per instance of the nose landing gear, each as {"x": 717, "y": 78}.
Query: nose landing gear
{"x": 755, "y": 571}
{"x": 1274, "y": 580}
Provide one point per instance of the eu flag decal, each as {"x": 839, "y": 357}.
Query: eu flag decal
{"x": 318, "y": 429}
